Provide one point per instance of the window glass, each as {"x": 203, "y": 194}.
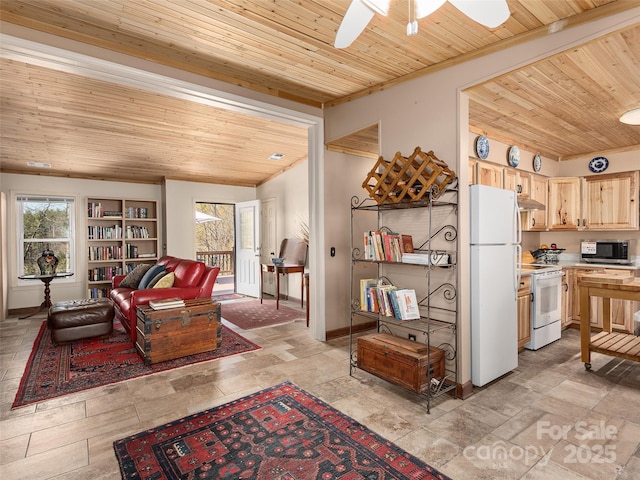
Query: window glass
{"x": 45, "y": 224}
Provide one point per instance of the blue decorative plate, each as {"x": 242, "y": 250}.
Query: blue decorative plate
{"x": 598, "y": 164}
{"x": 482, "y": 147}
{"x": 514, "y": 156}
{"x": 537, "y": 163}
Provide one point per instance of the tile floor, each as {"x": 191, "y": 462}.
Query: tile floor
{"x": 549, "y": 419}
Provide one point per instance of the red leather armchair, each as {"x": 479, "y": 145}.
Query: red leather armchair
{"x": 193, "y": 279}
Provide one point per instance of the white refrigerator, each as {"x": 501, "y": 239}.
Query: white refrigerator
{"x": 495, "y": 253}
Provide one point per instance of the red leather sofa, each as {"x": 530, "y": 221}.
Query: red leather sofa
{"x": 193, "y": 279}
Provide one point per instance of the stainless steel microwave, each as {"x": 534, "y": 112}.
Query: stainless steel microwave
{"x": 605, "y": 251}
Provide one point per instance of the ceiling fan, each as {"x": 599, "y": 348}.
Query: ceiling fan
{"x": 489, "y": 13}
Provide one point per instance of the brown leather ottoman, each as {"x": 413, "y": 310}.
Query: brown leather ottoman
{"x": 77, "y": 319}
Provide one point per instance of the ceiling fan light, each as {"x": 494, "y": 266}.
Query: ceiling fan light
{"x": 427, "y": 7}
{"x": 632, "y": 117}
{"x": 490, "y": 13}
{"x": 378, "y": 6}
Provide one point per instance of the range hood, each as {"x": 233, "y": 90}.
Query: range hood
{"x": 526, "y": 204}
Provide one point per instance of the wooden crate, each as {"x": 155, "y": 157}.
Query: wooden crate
{"x": 178, "y": 332}
{"x": 408, "y": 179}
{"x": 399, "y": 361}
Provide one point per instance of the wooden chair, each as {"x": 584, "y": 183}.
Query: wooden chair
{"x": 294, "y": 253}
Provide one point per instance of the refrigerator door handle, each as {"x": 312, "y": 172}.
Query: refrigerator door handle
{"x": 518, "y": 271}
{"x": 518, "y": 227}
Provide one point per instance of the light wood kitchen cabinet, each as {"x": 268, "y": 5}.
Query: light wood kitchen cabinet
{"x": 565, "y": 314}
{"x": 564, "y": 204}
{"x": 489, "y": 174}
{"x": 519, "y": 182}
{"x": 621, "y": 310}
{"x": 472, "y": 171}
{"x": 536, "y": 220}
{"x": 598, "y": 202}
{"x": 524, "y": 312}
{"x": 611, "y": 202}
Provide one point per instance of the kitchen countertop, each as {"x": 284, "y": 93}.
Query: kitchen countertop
{"x": 568, "y": 264}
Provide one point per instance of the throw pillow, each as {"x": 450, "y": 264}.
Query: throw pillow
{"x": 132, "y": 280}
{"x": 150, "y": 275}
{"x": 156, "y": 279}
{"x": 166, "y": 281}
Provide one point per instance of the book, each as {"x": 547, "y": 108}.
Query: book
{"x": 407, "y": 304}
{"x": 365, "y": 285}
{"x": 406, "y": 243}
{"x": 166, "y": 303}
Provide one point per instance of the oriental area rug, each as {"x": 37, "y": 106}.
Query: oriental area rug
{"x": 55, "y": 370}
{"x": 281, "y": 433}
{"x": 250, "y": 314}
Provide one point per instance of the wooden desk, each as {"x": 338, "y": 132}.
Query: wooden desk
{"x": 622, "y": 345}
{"x": 46, "y": 279}
{"x": 284, "y": 269}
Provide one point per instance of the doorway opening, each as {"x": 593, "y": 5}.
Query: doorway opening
{"x": 215, "y": 242}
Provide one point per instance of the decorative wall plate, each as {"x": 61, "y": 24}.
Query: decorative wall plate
{"x": 514, "y": 156}
{"x": 537, "y": 163}
{"x": 482, "y": 147}
{"x": 598, "y": 164}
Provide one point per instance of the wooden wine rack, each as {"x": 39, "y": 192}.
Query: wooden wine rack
{"x": 408, "y": 178}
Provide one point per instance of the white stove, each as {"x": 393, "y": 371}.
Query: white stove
{"x": 546, "y": 301}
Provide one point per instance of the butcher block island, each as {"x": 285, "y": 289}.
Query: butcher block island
{"x": 177, "y": 332}
{"x": 607, "y": 286}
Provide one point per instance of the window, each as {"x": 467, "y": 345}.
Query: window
{"x": 45, "y": 223}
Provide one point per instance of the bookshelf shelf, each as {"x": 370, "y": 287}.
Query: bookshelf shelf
{"x": 121, "y": 233}
{"x": 432, "y": 226}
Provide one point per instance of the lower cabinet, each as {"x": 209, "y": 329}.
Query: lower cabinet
{"x": 524, "y": 312}
{"x": 621, "y": 310}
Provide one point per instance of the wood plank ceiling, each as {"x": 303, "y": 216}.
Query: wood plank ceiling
{"x": 562, "y": 107}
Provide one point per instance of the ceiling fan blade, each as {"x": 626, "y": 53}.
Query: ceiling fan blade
{"x": 354, "y": 22}
{"x": 489, "y": 13}
{"x": 427, "y": 7}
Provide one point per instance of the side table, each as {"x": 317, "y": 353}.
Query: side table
{"x": 281, "y": 270}
{"x": 46, "y": 279}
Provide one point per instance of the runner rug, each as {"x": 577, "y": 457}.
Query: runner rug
{"x": 251, "y": 314}
{"x": 55, "y": 370}
{"x": 279, "y": 433}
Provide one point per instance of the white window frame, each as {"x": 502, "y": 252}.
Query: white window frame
{"x": 20, "y": 241}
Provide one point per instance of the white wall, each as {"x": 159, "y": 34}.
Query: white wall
{"x": 290, "y": 190}
{"x": 430, "y": 112}
{"x": 344, "y": 175}
{"x": 180, "y": 207}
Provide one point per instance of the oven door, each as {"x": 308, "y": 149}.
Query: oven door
{"x": 547, "y": 298}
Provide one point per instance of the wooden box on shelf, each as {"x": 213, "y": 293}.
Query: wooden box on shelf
{"x": 177, "y": 332}
{"x": 400, "y": 361}
{"x": 408, "y": 178}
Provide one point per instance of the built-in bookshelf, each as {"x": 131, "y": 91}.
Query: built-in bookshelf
{"x": 121, "y": 233}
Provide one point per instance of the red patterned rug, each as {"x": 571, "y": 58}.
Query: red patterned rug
{"x": 281, "y": 433}
{"x": 55, "y": 370}
{"x": 251, "y": 314}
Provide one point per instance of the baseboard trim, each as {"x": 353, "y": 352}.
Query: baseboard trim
{"x": 344, "y": 331}
{"x": 465, "y": 390}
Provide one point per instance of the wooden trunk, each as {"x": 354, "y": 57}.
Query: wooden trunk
{"x": 178, "y": 332}
{"x": 399, "y": 361}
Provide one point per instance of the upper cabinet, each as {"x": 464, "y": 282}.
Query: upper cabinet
{"x": 472, "y": 171}
{"x": 611, "y": 202}
{"x": 489, "y": 174}
{"x": 602, "y": 202}
{"x": 536, "y": 220}
{"x": 519, "y": 182}
{"x": 564, "y": 207}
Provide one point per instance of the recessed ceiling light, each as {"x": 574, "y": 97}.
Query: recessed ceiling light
{"x": 632, "y": 117}
{"x": 276, "y": 156}
{"x": 39, "y": 164}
